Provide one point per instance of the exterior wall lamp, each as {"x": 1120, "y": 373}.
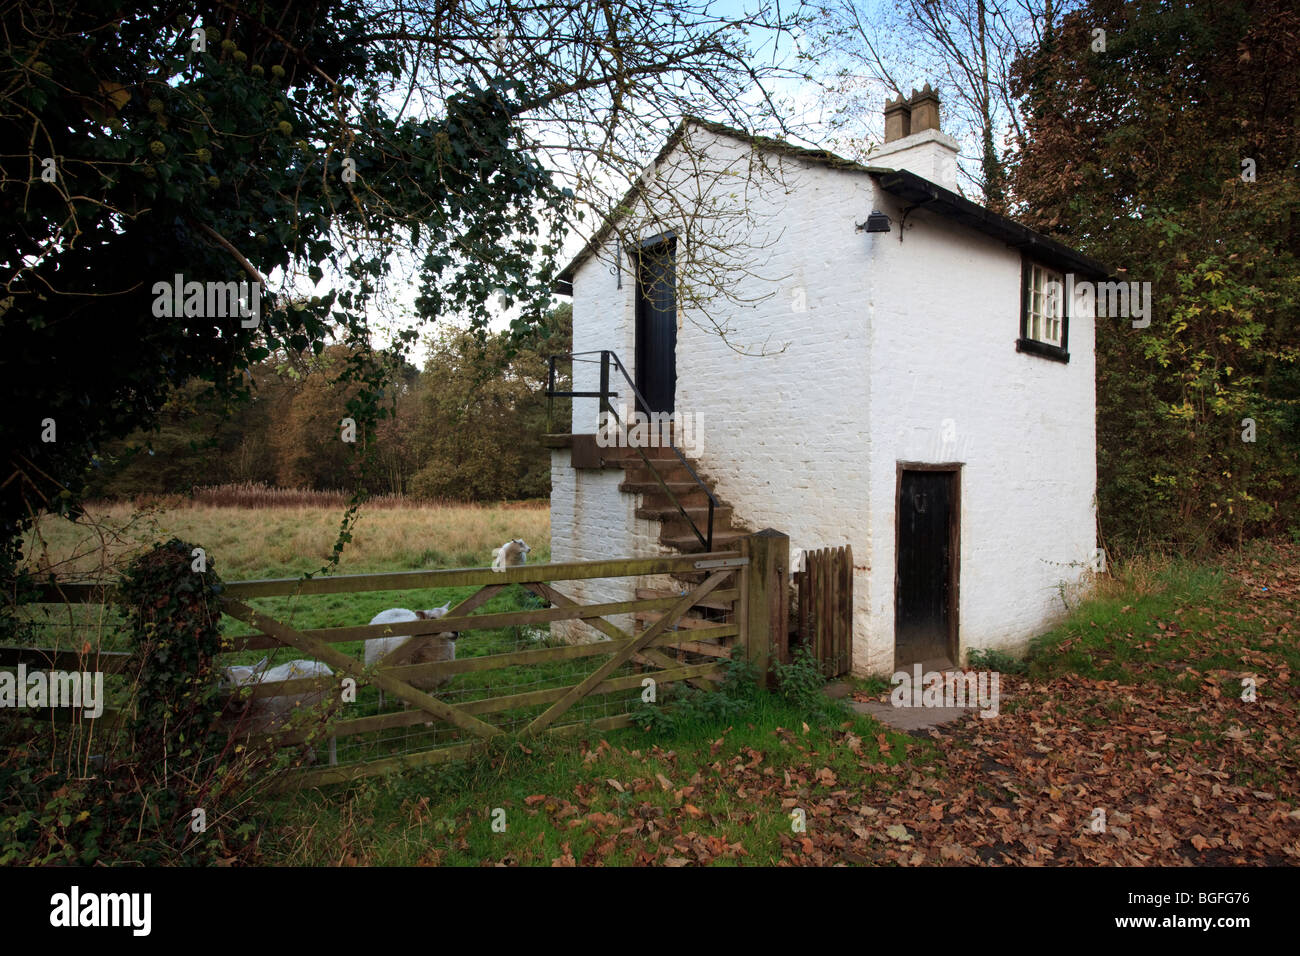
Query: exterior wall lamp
{"x": 879, "y": 222}
{"x": 876, "y": 222}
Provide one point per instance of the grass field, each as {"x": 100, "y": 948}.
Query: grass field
{"x": 1133, "y": 704}
{"x": 286, "y": 542}
{"x": 710, "y": 792}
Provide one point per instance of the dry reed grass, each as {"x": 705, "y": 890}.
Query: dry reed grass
{"x": 1138, "y": 576}
{"x": 258, "y": 494}
{"x": 286, "y": 540}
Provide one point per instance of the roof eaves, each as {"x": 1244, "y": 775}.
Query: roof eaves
{"x": 563, "y": 284}
{"x": 899, "y": 182}
{"x": 925, "y": 194}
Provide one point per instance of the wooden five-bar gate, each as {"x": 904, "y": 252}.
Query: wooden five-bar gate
{"x": 750, "y": 583}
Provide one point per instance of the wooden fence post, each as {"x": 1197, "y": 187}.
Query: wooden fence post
{"x": 766, "y": 601}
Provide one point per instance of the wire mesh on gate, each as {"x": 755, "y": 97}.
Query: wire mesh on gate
{"x": 90, "y": 628}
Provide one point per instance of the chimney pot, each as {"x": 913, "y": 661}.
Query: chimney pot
{"x": 924, "y": 107}
{"x": 898, "y": 118}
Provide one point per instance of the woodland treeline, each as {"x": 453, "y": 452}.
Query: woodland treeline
{"x": 466, "y": 426}
{"x": 1171, "y": 152}
{"x": 1163, "y": 139}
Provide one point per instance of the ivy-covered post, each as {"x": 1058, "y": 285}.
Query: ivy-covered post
{"x": 171, "y": 597}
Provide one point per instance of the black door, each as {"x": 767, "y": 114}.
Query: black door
{"x": 926, "y": 582}
{"x": 656, "y": 326}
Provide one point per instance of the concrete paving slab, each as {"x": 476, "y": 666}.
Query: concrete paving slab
{"x": 912, "y": 720}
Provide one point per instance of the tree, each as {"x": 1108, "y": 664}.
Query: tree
{"x": 966, "y": 47}
{"x": 479, "y": 428}
{"x": 1136, "y": 151}
{"x": 313, "y": 441}
{"x": 320, "y": 143}
{"x": 396, "y": 435}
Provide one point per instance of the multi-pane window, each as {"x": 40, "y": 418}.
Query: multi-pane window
{"x": 1044, "y": 305}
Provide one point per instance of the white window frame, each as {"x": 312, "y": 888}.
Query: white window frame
{"x": 1044, "y": 308}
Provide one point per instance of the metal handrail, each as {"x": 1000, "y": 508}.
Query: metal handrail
{"x": 606, "y": 357}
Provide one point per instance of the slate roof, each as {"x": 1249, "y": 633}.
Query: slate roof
{"x": 909, "y": 187}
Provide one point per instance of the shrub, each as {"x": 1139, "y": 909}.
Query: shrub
{"x": 681, "y": 705}
{"x": 801, "y": 682}
{"x": 173, "y": 755}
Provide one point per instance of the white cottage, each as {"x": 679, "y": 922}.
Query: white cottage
{"x": 864, "y": 358}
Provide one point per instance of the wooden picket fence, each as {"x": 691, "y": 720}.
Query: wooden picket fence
{"x": 749, "y": 582}
{"x": 825, "y": 614}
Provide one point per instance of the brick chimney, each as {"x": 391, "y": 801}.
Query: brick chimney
{"x": 913, "y": 140}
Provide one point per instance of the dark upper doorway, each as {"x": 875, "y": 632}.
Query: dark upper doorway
{"x": 925, "y": 584}
{"x": 656, "y": 324}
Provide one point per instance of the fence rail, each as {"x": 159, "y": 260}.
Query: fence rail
{"x": 721, "y": 580}
{"x": 409, "y": 580}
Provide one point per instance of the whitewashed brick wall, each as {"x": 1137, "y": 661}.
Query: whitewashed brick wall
{"x": 944, "y": 327}
{"x": 591, "y": 520}
{"x": 892, "y": 339}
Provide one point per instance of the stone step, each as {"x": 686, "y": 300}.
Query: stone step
{"x": 678, "y": 527}
{"x": 687, "y": 543}
{"x": 671, "y": 531}
{"x": 697, "y": 513}
{"x": 688, "y": 493}
{"x": 676, "y": 532}
{"x": 629, "y": 457}
{"x": 669, "y": 471}
{"x": 916, "y": 721}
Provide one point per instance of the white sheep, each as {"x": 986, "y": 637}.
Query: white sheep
{"x": 512, "y": 554}
{"x": 271, "y": 713}
{"x": 430, "y": 647}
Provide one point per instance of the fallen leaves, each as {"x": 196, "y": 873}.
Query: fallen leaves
{"x": 1184, "y": 771}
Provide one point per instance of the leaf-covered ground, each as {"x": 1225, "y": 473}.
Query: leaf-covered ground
{"x": 1128, "y": 742}
{"x": 1158, "y": 760}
